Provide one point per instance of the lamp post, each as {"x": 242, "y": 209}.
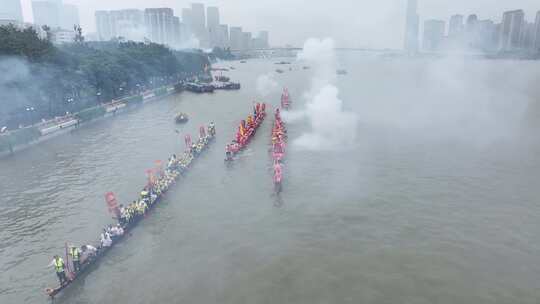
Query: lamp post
{"x": 69, "y": 102}
{"x": 30, "y": 110}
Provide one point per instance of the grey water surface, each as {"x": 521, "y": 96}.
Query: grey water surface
{"x": 416, "y": 210}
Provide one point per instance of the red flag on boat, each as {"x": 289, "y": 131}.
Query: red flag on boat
{"x": 202, "y": 132}
{"x": 151, "y": 177}
{"x": 188, "y": 141}
{"x": 112, "y": 204}
{"x": 159, "y": 166}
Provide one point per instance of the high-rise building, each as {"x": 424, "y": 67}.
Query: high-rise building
{"x": 433, "y": 34}
{"x": 212, "y": 24}
{"x": 485, "y": 33}
{"x": 212, "y": 16}
{"x": 224, "y": 36}
{"x": 11, "y": 10}
{"x": 187, "y": 31}
{"x": 127, "y": 24}
{"x": 177, "y": 32}
{"x": 198, "y": 18}
{"x": 246, "y": 41}
{"x": 69, "y": 16}
{"x": 235, "y": 34}
{"x": 263, "y": 39}
{"x": 527, "y": 36}
{"x": 537, "y": 32}
{"x": 496, "y": 35}
{"x": 160, "y": 25}
{"x": 198, "y": 24}
{"x": 186, "y": 18}
{"x": 103, "y": 25}
{"x": 472, "y": 21}
{"x": 46, "y": 13}
{"x": 511, "y": 27}
{"x": 411, "y": 27}
{"x": 455, "y": 27}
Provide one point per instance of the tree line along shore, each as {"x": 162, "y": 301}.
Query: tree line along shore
{"x": 40, "y": 81}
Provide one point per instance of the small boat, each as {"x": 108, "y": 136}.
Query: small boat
{"x": 195, "y": 87}
{"x": 341, "y": 72}
{"x": 283, "y": 62}
{"x": 228, "y": 86}
{"x": 181, "y": 118}
{"x": 243, "y": 61}
{"x": 222, "y": 78}
{"x": 305, "y": 67}
{"x": 280, "y": 71}
{"x": 219, "y": 69}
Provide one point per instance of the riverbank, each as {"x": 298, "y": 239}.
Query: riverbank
{"x": 18, "y": 140}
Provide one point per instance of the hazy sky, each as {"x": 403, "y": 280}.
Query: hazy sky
{"x": 352, "y": 23}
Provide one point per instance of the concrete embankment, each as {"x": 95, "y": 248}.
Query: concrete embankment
{"x": 23, "y": 138}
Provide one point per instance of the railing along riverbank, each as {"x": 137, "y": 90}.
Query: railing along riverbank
{"x": 22, "y": 138}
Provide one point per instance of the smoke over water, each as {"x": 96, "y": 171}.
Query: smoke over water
{"x": 331, "y": 126}
{"x": 13, "y": 73}
{"x": 266, "y": 85}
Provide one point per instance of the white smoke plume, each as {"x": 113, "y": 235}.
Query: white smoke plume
{"x": 266, "y": 85}
{"x": 331, "y": 126}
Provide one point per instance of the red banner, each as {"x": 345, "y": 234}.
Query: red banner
{"x": 112, "y": 204}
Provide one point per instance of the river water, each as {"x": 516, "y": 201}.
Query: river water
{"x": 434, "y": 201}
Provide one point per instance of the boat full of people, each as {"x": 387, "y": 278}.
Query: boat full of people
{"x": 227, "y": 86}
{"x": 279, "y": 137}
{"x": 285, "y": 99}
{"x": 199, "y": 87}
{"x": 79, "y": 259}
{"x": 181, "y": 118}
{"x": 246, "y": 131}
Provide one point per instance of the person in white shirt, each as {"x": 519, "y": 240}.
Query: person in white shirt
{"x": 87, "y": 252}
{"x": 106, "y": 239}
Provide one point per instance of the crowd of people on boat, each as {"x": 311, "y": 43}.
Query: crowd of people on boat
{"x": 279, "y": 135}
{"x": 159, "y": 181}
{"x": 246, "y": 130}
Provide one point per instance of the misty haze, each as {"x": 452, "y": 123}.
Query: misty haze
{"x": 269, "y": 151}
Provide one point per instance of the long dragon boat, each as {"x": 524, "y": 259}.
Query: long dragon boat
{"x": 246, "y": 131}
{"x": 158, "y": 184}
{"x": 279, "y": 136}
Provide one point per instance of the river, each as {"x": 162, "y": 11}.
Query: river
{"x": 434, "y": 201}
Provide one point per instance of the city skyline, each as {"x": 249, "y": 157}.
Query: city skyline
{"x": 514, "y": 33}
{"x": 198, "y": 27}
{"x": 377, "y": 24}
